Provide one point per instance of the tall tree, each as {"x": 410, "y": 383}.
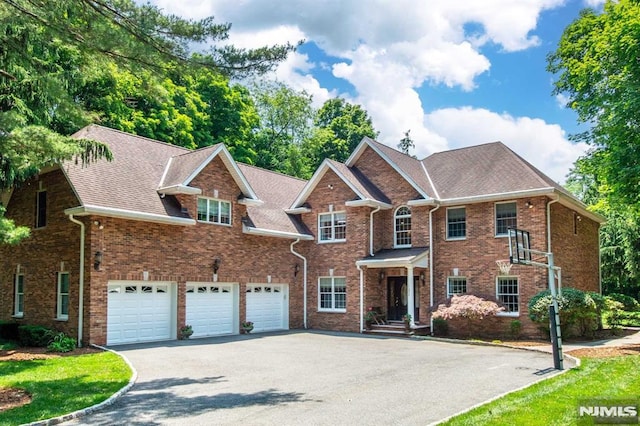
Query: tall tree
{"x": 349, "y": 123}
{"x": 598, "y": 68}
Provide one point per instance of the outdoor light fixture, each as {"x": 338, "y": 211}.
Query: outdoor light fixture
{"x": 296, "y": 269}
{"x": 422, "y": 277}
{"x": 529, "y": 204}
{"x": 381, "y": 277}
{"x": 97, "y": 260}
{"x": 216, "y": 265}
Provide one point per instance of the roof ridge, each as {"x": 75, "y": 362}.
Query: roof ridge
{"x": 462, "y": 148}
{"x": 541, "y": 176}
{"x": 271, "y": 171}
{"x": 193, "y": 151}
{"x": 134, "y": 136}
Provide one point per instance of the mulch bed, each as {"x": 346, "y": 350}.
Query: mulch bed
{"x": 15, "y": 397}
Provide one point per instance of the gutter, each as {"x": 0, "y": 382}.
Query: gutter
{"x": 361, "y": 297}
{"x": 272, "y": 233}
{"x": 88, "y": 209}
{"x": 304, "y": 280}
{"x": 81, "y": 279}
{"x": 431, "y": 263}
{"x": 371, "y": 231}
{"x": 549, "y": 222}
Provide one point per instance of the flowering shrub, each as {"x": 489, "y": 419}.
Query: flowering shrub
{"x": 467, "y": 306}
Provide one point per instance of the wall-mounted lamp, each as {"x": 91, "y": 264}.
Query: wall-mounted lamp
{"x": 296, "y": 269}
{"x": 529, "y": 204}
{"x": 216, "y": 265}
{"x": 330, "y": 186}
{"x": 97, "y": 260}
{"x": 381, "y": 277}
{"x": 422, "y": 278}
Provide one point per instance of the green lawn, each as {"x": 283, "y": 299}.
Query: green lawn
{"x": 62, "y": 385}
{"x": 555, "y": 401}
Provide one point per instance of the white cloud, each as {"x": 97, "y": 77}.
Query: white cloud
{"x": 596, "y": 4}
{"x": 562, "y": 100}
{"x": 542, "y": 144}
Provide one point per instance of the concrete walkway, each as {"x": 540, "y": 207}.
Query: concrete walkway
{"x": 631, "y": 339}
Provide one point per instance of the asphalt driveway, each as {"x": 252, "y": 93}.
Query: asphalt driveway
{"x": 314, "y": 378}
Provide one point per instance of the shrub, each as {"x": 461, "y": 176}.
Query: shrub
{"x": 62, "y": 343}
{"x": 9, "y": 330}
{"x": 35, "y": 335}
{"x": 614, "y": 314}
{"x": 578, "y": 314}
{"x": 601, "y": 306}
{"x": 467, "y": 306}
{"x": 515, "y": 329}
{"x": 630, "y": 304}
{"x": 440, "y": 327}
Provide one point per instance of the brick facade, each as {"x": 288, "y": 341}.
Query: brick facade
{"x": 139, "y": 250}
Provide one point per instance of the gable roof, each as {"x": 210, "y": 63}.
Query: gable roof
{"x": 364, "y": 190}
{"x": 129, "y": 186}
{"x": 278, "y": 192}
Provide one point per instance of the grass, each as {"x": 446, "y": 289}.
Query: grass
{"x": 62, "y": 385}
{"x": 555, "y": 401}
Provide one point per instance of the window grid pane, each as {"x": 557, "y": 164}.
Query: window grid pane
{"x": 508, "y": 293}
{"x": 403, "y": 227}
{"x": 214, "y": 211}
{"x": 456, "y": 223}
{"x": 333, "y": 294}
{"x": 332, "y": 226}
{"x": 19, "y": 292}
{"x": 506, "y": 217}
{"x": 456, "y": 286}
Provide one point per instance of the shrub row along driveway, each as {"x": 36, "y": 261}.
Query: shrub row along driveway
{"x": 314, "y": 378}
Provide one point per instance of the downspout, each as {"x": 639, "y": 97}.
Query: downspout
{"x": 80, "y": 279}
{"x": 304, "y": 280}
{"x": 361, "y": 297}
{"x": 371, "y": 230}
{"x": 549, "y": 223}
{"x": 431, "y": 264}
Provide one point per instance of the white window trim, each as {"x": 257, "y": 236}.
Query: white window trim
{"x": 456, "y": 277}
{"x": 508, "y": 314}
{"x": 333, "y": 229}
{"x": 220, "y": 201}
{"x": 333, "y": 293}
{"x": 466, "y": 229}
{"x": 395, "y": 227}
{"x": 16, "y": 312}
{"x": 495, "y": 218}
{"x": 59, "y": 315}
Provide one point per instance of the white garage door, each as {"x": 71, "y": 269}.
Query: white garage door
{"x": 138, "y": 312}
{"x": 211, "y": 308}
{"x": 268, "y": 306}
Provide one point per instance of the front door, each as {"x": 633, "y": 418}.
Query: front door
{"x": 397, "y": 298}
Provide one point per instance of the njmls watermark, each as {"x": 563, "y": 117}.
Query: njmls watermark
{"x": 608, "y": 411}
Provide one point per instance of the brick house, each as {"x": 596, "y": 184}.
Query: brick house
{"x": 129, "y": 250}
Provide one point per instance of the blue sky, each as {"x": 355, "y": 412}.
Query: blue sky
{"x": 455, "y": 72}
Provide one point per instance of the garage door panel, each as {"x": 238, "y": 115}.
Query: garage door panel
{"x": 138, "y": 312}
{"x": 211, "y": 308}
{"x": 267, "y": 306}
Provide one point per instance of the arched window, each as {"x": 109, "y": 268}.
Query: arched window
{"x": 402, "y": 228}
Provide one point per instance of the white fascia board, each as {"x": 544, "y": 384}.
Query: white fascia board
{"x": 276, "y": 234}
{"x": 498, "y": 196}
{"x": 298, "y": 210}
{"x": 311, "y": 185}
{"x": 250, "y": 202}
{"x": 166, "y": 170}
{"x": 179, "y": 189}
{"x": 422, "y": 202}
{"x": 368, "y": 202}
{"x": 419, "y": 261}
{"x": 575, "y": 204}
{"x": 87, "y": 210}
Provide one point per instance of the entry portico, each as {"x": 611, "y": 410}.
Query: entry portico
{"x": 409, "y": 259}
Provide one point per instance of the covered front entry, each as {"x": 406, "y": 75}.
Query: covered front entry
{"x": 401, "y": 298}
{"x": 398, "y": 298}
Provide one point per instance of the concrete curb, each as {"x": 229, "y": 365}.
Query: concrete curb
{"x": 85, "y": 411}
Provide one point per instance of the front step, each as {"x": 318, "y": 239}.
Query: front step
{"x": 397, "y": 329}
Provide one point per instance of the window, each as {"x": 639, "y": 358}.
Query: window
{"x": 41, "y": 208}
{"x": 507, "y": 293}
{"x": 18, "y": 309}
{"x": 63, "y": 295}
{"x": 332, "y": 227}
{"x": 456, "y": 223}
{"x": 402, "y": 227}
{"x": 456, "y": 285}
{"x": 506, "y": 217}
{"x": 332, "y": 294}
{"x": 214, "y": 211}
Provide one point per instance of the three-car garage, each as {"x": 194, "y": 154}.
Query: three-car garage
{"x": 145, "y": 311}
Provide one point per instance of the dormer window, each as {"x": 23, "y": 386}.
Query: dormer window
{"x": 214, "y": 211}
{"x": 332, "y": 227}
{"x": 402, "y": 228}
